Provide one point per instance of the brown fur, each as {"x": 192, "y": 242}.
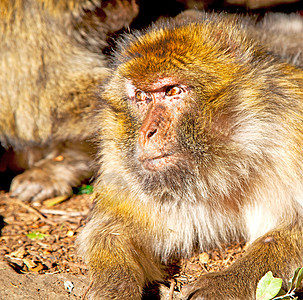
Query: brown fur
{"x": 283, "y": 35}
{"x": 280, "y": 34}
{"x": 51, "y": 69}
{"x": 217, "y": 160}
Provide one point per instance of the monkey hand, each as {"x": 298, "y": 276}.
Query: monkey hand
{"x": 219, "y": 285}
{"x": 239, "y": 281}
{"x": 52, "y": 176}
{"x": 38, "y": 184}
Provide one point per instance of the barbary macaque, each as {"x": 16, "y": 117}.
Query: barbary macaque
{"x": 200, "y": 143}
{"x": 51, "y": 68}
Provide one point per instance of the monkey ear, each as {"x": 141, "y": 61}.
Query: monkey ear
{"x": 100, "y": 18}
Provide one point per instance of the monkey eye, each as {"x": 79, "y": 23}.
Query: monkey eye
{"x": 173, "y": 90}
{"x": 140, "y": 96}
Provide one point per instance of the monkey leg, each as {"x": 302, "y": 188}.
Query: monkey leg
{"x": 279, "y": 251}
{"x": 116, "y": 273}
{"x": 55, "y": 174}
{"x": 118, "y": 254}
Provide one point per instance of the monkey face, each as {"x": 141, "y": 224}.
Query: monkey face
{"x": 156, "y": 156}
{"x": 148, "y": 124}
{"x": 160, "y": 109}
{"x": 166, "y": 99}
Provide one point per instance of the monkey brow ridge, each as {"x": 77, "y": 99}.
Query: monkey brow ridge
{"x": 176, "y": 46}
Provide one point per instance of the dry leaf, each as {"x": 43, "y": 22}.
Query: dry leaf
{"x": 56, "y": 200}
{"x": 203, "y": 258}
{"x": 59, "y": 158}
{"x": 38, "y": 268}
{"x": 70, "y": 233}
{"x": 19, "y": 253}
{"x": 29, "y": 263}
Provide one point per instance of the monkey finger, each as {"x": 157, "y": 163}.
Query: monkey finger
{"x": 50, "y": 192}
{"x": 208, "y": 287}
{"x": 188, "y": 292}
{"x": 24, "y": 191}
{"x": 38, "y": 185}
{"x": 200, "y": 294}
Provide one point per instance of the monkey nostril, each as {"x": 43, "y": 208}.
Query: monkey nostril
{"x": 151, "y": 133}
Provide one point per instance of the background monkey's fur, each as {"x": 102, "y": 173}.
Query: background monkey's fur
{"x": 281, "y": 34}
{"x": 201, "y": 143}
{"x": 51, "y": 67}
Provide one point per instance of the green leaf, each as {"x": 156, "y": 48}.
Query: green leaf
{"x": 299, "y": 277}
{"x": 36, "y": 235}
{"x": 268, "y": 287}
{"x": 292, "y": 281}
{"x": 85, "y": 189}
{"x": 281, "y": 294}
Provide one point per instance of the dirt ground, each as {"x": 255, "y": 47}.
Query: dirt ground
{"x": 39, "y": 259}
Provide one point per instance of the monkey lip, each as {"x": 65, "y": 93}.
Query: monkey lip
{"x": 157, "y": 162}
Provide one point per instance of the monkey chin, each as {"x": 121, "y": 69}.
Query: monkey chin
{"x": 158, "y": 163}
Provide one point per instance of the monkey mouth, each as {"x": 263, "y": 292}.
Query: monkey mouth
{"x": 158, "y": 162}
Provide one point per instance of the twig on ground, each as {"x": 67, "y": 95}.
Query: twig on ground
{"x": 87, "y": 290}
{"x": 171, "y": 290}
{"x": 30, "y": 209}
{"x": 65, "y": 213}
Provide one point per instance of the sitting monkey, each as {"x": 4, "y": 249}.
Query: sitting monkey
{"x": 200, "y": 143}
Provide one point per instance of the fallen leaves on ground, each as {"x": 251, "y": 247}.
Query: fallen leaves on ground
{"x": 40, "y": 239}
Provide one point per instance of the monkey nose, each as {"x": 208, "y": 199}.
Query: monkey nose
{"x": 146, "y": 136}
{"x": 150, "y": 133}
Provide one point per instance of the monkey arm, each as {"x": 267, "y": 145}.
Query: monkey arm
{"x": 117, "y": 251}
{"x": 62, "y": 168}
{"x": 279, "y": 251}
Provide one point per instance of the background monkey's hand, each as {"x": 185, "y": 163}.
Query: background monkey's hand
{"x": 54, "y": 175}
{"x": 38, "y": 184}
